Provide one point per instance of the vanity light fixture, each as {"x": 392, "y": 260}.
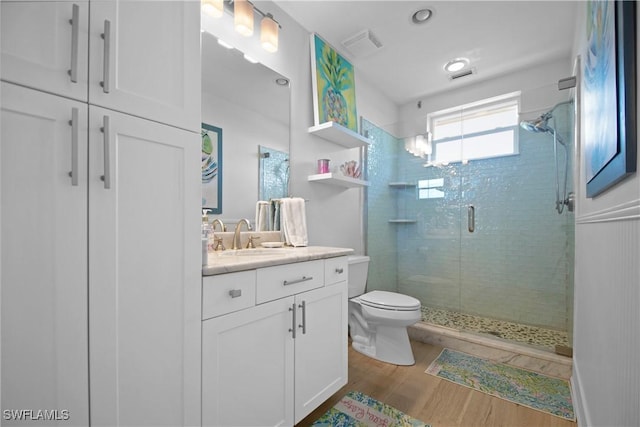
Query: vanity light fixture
{"x": 243, "y": 17}
{"x": 243, "y": 13}
{"x": 213, "y": 8}
{"x": 456, "y": 65}
{"x": 419, "y": 145}
{"x": 269, "y": 33}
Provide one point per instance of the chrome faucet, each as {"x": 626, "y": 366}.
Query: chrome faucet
{"x": 236, "y": 234}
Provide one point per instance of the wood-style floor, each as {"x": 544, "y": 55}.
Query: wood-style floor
{"x": 430, "y": 399}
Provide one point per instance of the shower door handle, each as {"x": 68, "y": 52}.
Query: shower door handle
{"x": 471, "y": 218}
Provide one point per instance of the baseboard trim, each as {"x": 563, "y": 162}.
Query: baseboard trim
{"x": 577, "y": 396}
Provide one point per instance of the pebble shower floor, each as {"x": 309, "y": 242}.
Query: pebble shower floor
{"x": 531, "y": 335}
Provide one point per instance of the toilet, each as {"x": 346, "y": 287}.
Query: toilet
{"x": 378, "y": 320}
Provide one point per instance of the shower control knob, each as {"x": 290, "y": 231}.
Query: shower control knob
{"x": 571, "y": 201}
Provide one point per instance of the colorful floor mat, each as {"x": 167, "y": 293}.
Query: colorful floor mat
{"x": 359, "y": 410}
{"x": 527, "y": 388}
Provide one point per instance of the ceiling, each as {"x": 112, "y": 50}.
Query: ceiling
{"x": 498, "y": 37}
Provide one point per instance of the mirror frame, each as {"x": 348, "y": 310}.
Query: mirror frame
{"x": 216, "y": 180}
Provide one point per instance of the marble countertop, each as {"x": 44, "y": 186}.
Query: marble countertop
{"x": 248, "y": 259}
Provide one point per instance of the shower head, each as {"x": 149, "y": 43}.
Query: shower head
{"x": 538, "y": 125}
{"x": 541, "y": 125}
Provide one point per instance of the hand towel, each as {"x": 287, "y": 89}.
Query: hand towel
{"x": 294, "y": 221}
{"x": 262, "y": 216}
{"x": 275, "y": 214}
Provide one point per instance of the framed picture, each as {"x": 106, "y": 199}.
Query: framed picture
{"x": 211, "y": 169}
{"x": 334, "y": 94}
{"x": 609, "y": 94}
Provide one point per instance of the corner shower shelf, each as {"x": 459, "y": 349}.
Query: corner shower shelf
{"x": 402, "y": 221}
{"x": 337, "y": 179}
{"x": 339, "y": 134}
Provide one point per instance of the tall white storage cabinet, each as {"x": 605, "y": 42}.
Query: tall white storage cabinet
{"x": 44, "y": 254}
{"x": 100, "y": 192}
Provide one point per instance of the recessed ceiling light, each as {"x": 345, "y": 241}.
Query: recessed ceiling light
{"x": 456, "y": 64}
{"x": 421, "y": 16}
{"x": 281, "y": 81}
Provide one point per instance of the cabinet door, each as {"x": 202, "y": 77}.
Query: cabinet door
{"x": 321, "y": 347}
{"x": 144, "y": 272}
{"x": 44, "y": 254}
{"x": 41, "y": 43}
{"x": 247, "y": 367}
{"x": 145, "y": 59}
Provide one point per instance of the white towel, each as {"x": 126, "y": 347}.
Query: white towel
{"x": 294, "y": 221}
{"x": 262, "y": 216}
{"x": 275, "y": 214}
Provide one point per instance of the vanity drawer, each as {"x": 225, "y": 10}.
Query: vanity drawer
{"x": 283, "y": 280}
{"x": 225, "y": 293}
{"x": 335, "y": 270}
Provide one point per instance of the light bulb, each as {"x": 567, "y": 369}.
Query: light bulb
{"x": 243, "y": 17}
{"x": 269, "y": 34}
{"x": 213, "y": 8}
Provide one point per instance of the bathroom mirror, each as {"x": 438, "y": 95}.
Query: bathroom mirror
{"x": 251, "y": 104}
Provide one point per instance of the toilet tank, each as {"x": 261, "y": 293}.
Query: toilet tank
{"x": 358, "y": 270}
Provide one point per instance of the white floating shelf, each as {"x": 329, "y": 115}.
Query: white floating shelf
{"x": 401, "y": 184}
{"x": 338, "y": 179}
{"x": 402, "y": 221}
{"x": 339, "y": 134}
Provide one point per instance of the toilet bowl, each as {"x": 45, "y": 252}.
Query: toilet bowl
{"x": 378, "y": 320}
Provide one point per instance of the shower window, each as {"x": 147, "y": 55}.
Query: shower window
{"x": 481, "y": 130}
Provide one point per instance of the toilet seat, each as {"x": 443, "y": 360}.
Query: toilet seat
{"x": 389, "y": 301}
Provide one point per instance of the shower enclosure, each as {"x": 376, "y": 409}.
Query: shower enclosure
{"x": 479, "y": 243}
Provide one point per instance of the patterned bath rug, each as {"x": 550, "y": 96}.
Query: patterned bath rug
{"x": 527, "y": 388}
{"x": 359, "y": 410}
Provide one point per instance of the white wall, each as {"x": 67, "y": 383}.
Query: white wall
{"x": 539, "y": 87}
{"x": 606, "y": 369}
{"x": 334, "y": 214}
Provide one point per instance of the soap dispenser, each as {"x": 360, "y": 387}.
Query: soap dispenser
{"x": 206, "y": 233}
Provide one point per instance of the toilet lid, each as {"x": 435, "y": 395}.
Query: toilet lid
{"x": 389, "y": 300}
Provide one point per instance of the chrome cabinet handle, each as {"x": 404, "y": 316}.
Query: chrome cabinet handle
{"x": 75, "y": 28}
{"x": 303, "y": 306}
{"x": 105, "y": 83}
{"x": 340, "y": 270}
{"x": 107, "y": 162}
{"x": 74, "y": 146}
{"x": 235, "y": 293}
{"x": 471, "y": 218}
{"x": 293, "y": 282}
{"x": 293, "y": 325}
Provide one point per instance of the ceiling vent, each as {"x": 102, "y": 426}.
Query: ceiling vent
{"x": 362, "y": 44}
{"x": 463, "y": 73}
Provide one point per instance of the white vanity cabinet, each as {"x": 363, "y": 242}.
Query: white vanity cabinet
{"x": 137, "y": 57}
{"x": 273, "y": 362}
